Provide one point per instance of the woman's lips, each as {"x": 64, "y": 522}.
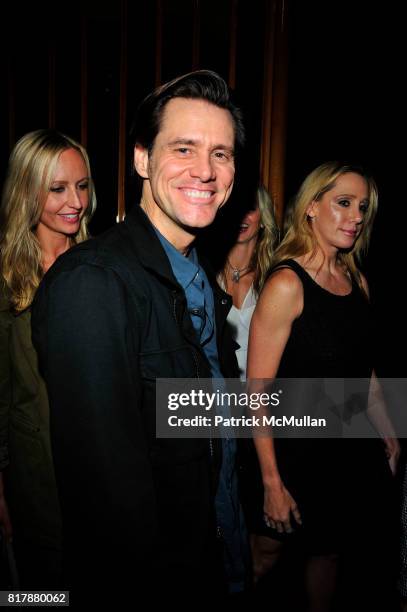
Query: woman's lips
{"x": 70, "y": 217}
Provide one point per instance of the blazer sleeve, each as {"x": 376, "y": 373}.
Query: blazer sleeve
{"x": 84, "y": 330}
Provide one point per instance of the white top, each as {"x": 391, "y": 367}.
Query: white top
{"x": 239, "y": 319}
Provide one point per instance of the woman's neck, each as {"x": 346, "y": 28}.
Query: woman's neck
{"x": 328, "y": 271}
{"x": 241, "y": 254}
{"x": 52, "y": 246}
{"x": 237, "y": 272}
{"x": 327, "y": 262}
{"x": 239, "y": 290}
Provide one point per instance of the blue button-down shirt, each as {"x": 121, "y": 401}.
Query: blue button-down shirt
{"x": 199, "y": 295}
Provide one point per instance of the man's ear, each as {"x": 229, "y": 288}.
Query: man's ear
{"x": 141, "y": 160}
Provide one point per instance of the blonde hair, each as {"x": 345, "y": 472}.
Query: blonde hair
{"x": 31, "y": 169}
{"x": 266, "y": 239}
{"x": 300, "y": 238}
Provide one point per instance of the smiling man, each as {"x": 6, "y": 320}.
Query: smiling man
{"x": 190, "y": 170}
{"x": 113, "y": 315}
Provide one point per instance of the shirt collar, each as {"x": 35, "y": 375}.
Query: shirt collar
{"x": 185, "y": 268}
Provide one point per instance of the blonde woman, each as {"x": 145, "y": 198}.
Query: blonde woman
{"x": 47, "y": 201}
{"x": 246, "y": 267}
{"x": 313, "y": 320}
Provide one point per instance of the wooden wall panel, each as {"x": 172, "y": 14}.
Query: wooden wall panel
{"x": 275, "y": 108}
{"x": 84, "y": 80}
{"x": 215, "y": 36}
{"x": 250, "y": 60}
{"x": 103, "y": 109}
{"x": 67, "y": 87}
{"x": 177, "y": 38}
{"x": 87, "y": 77}
{"x": 30, "y": 64}
{"x": 121, "y": 176}
{"x": 232, "y": 43}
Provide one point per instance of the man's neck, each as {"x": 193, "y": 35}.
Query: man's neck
{"x": 180, "y": 238}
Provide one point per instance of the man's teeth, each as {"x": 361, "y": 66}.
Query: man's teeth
{"x": 193, "y": 193}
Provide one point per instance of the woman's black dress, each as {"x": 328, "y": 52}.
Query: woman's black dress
{"x": 343, "y": 487}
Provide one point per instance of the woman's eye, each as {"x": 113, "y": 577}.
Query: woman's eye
{"x": 57, "y": 189}
{"x": 364, "y": 207}
{"x": 83, "y": 186}
{"x": 344, "y": 203}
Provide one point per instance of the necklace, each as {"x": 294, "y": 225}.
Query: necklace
{"x": 237, "y": 272}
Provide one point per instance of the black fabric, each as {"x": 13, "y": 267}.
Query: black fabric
{"x": 343, "y": 487}
{"x": 108, "y": 319}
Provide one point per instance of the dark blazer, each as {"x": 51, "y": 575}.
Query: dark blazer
{"x": 108, "y": 319}
{"x": 25, "y": 452}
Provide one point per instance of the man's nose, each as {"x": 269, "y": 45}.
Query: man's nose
{"x": 203, "y": 167}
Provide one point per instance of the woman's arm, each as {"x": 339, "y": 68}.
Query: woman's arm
{"x": 280, "y": 303}
{"x": 378, "y": 416}
{"x": 377, "y": 413}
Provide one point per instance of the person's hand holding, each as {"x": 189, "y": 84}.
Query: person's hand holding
{"x": 279, "y": 507}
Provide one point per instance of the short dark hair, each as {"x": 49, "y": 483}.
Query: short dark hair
{"x": 200, "y": 85}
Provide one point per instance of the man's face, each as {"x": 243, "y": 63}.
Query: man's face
{"x": 191, "y": 168}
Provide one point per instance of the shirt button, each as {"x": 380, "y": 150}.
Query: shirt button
{"x": 224, "y": 301}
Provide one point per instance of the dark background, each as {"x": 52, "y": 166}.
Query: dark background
{"x": 345, "y": 76}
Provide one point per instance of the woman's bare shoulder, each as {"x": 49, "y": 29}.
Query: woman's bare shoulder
{"x": 284, "y": 281}
{"x": 282, "y": 293}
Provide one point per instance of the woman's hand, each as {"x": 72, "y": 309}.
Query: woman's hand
{"x": 279, "y": 505}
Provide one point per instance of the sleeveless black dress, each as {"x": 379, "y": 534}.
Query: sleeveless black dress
{"x": 343, "y": 487}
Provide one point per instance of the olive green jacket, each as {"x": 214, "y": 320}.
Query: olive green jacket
{"x": 25, "y": 451}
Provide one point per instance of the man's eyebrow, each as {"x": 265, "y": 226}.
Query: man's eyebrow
{"x": 185, "y": 141}
{"x": 224, "y": 148}
{"x": 192, "y": 142}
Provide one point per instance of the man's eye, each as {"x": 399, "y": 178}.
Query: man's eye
{"x": 183, "y": 150}
{"x": 223, "y": 155}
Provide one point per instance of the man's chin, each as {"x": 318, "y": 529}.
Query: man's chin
{"x": 194, "y": 226}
